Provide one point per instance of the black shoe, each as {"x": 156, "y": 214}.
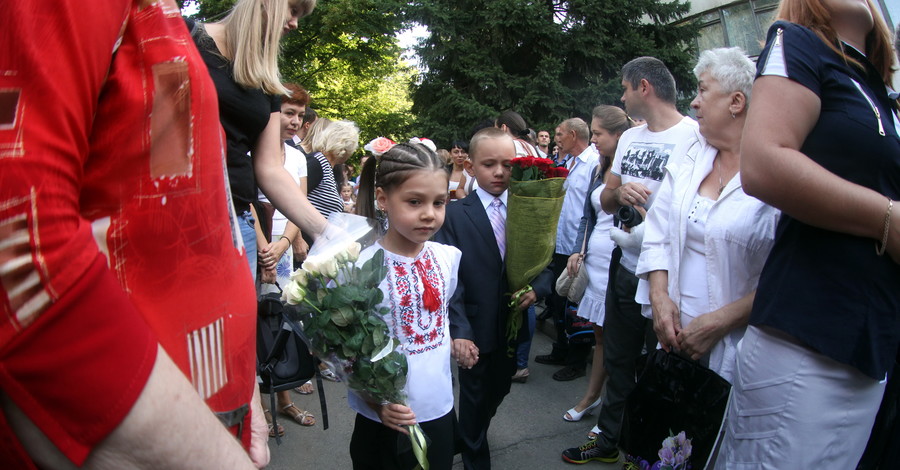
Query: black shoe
{"x": 550, "y": 359}
{"x": 589, "y": 452}
{"x": 568, "y": 373}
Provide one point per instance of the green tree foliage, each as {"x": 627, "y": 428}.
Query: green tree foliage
{"x": 547, "y": 59}
{"x": 346, "y": 54}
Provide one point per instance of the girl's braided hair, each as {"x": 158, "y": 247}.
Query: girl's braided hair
{"x": 392, "y": 169}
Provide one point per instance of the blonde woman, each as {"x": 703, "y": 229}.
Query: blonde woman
{"x": 241, "y": 55}
{"x": 327, "y": 147}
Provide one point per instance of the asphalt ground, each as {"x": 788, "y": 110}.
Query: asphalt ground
{"x": 527, "y": 433}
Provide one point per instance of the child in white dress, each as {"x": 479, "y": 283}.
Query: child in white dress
{"x": 410, "y": 184}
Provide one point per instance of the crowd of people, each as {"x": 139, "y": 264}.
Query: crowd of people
{"x": 755, "y": 237}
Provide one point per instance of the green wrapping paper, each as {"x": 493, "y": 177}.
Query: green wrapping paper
{"x": 531, "y": 219}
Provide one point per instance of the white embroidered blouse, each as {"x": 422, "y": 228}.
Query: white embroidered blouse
{"x": 424, "y": 335}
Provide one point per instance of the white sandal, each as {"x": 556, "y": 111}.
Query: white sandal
{"x": 573, "y": 416}
{"x": 593, "y": 433}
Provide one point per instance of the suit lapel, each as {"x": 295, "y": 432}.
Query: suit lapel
{"x": 476, "y": 213}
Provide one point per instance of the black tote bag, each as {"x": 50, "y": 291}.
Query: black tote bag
{"x": 673, "y": 394}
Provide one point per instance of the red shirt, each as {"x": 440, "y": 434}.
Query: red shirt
{"x": 110, "y": 144}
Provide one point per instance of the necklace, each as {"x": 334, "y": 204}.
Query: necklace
{"x": 719, "y": 172}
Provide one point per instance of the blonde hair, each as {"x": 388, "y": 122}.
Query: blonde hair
{"x": 315, "y": 129}
{"x": 253, "y": 31}
{"x": 339, "y": 140}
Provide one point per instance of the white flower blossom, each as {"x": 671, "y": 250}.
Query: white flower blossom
{"x": 294, "y": 293}
{"x": 300, "y": 277}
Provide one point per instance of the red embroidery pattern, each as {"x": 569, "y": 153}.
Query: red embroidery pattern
{"x": 419, "y": 329}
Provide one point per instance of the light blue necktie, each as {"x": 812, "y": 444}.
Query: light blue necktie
{"x": 498, "y": 223}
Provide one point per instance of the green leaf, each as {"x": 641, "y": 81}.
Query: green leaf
{"x": 341, "y": 316}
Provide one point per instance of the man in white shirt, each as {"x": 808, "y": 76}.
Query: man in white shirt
{"x": 572, "y": 137}
{"x": 641, "y": 159}
{"x": 543, "y": 143}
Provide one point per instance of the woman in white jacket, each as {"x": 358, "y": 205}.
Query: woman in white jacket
{"x": 706, "y": 240}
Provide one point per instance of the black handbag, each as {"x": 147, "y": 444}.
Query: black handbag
{"x": 283, "y": 359}
{"x": 673, "y": 394}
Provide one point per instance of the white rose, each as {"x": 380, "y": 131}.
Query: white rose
{"x": 294, "y": 293}
{"x": 353, "y": 252}
{"x": 312, "y": 265}
{"x": 330, "y": 268}
{"x": 300, "y": 277}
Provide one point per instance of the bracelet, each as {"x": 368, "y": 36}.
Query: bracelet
{"x": 284, "y": 237}
{"x": 887, "y": 227}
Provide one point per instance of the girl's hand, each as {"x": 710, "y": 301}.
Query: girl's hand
{"x": 465, "y": 352}
{"x": 396, "y": 416}
{"x": 572, "y": 265}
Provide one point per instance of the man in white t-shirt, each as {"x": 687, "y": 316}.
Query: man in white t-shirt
{"x": 642, "y": 156}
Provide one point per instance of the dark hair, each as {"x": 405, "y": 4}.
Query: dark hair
{"x": 391, "y": 170}
{"x": 310, "y": 116}
{"x": 299, "y": 96}
{"x": 460, "y": 144}
{"x": 514, "y": 122}
{"x": 655, "y": 72}
{"x": 481, "y": 125}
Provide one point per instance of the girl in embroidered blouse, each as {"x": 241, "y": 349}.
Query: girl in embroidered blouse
{"x": 409, "y": 182}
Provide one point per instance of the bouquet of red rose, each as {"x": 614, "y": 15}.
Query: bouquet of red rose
{"x": 536, "y": 195}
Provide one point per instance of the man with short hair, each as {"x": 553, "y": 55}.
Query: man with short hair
{"x": 543, "y": 143}
{"x": 641, "y": 158}
{"x": 573, "y": 139}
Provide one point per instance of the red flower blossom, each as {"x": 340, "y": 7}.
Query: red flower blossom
{"x": 407, "y": 330}
{"x": 405, "y": 301}
{"x": 433, "y": 335}
{"x": 560, "y": 172}
{"x": 399, "y": 271}
{"x": 419, "y": 339}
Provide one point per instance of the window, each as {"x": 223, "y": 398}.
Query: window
{"x": 743, "y": 24}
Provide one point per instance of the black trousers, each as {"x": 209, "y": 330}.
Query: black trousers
{"x": 374, "y": 446}
{"x": 626, "y": 333}
{"x": 575, "y": 354}
{"x": 481, "y": 390}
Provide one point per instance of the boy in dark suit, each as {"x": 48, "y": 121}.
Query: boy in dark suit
{"x": 478, "y": 309}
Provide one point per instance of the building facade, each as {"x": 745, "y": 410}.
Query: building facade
{"x": 744, "y": 23}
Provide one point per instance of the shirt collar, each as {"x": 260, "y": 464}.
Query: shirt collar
{"x": 487, "y": 198}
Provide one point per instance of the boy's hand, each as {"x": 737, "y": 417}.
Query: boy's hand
{"x": 527, "y": 300}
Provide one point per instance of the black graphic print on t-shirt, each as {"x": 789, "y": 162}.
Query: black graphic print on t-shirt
{"x": 646, "y": 160}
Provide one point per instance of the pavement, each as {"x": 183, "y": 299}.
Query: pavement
{"x": 528, "y": 431}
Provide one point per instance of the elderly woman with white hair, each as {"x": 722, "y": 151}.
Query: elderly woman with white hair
{"x": 706, "y": 240}
{"x": 330, "y": 145}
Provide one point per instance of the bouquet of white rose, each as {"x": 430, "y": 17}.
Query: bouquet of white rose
{"x": 339, "y": 314}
